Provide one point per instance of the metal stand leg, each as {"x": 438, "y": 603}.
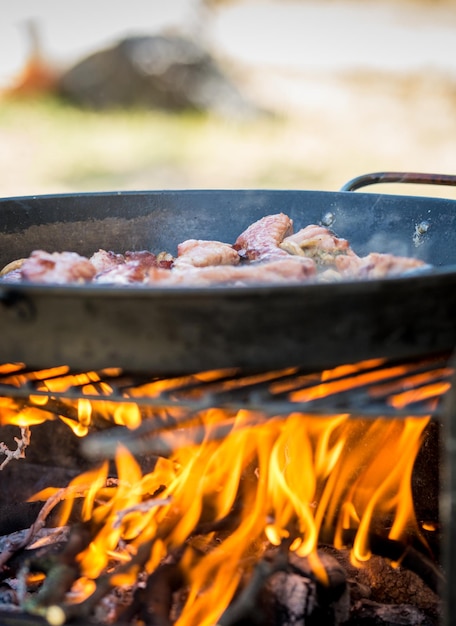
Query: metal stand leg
{"x": 448, "y": 508}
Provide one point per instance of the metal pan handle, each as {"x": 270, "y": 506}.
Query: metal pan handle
{"x": 399, "y": 177}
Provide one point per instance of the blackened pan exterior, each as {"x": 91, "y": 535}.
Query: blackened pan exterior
{"x": 168, "y": 331}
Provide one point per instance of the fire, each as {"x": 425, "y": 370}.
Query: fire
{"x": 52, "y": 399}
{"x": 215, "y": 505}
{"x": 291, "y": 481}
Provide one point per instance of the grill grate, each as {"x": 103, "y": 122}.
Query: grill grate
{"x": 370, "y": 388}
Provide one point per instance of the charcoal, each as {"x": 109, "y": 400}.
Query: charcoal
{"x": 370, "y": 613}
{"x": 294, "y": 598}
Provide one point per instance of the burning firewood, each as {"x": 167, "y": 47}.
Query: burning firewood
{"x": 19, "y": 453}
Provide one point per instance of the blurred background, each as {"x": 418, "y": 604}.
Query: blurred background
{"x": 291, "y": 94}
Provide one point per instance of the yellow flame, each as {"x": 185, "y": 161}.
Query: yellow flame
{"x": 289, "y": 481}
{"x": 292, "y": 480}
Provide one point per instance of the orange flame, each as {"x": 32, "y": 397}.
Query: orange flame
{"x": 78, "y": 414}
{"x": 296, "y": 480}
{"x": 291, "y": 480}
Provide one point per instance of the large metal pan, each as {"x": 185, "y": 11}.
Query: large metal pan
{"x": 179, "y": 330}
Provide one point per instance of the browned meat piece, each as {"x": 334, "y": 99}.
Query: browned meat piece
{"x": 165, "y": 260}
{"x": 133, "y": 267}
{"x": 125, "y": 274}
{"x": 318, "y": 243}
{"x": 58, "y": 267}
{"x": 201, "y": 253}
{"x": 376, "y": 265}
{"x": 284, "y": 270}
{"x": 143, "y": 257}
{"x": 261, "y": 240}
{"x": 104, "y": 260}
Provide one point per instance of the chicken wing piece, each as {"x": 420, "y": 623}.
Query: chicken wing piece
{"x": 376, "y": 265}
{"x": 133, "y": 269}
{"x": 261, "y": 240}
{"x": 58, "y": 267}
{"x": 282, "y": 270}
{"x": 104, "y": 260}
{"x": 202, "y": 253}
{"x": 318, "y": 243}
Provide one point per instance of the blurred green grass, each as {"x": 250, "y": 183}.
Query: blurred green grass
{"x": 50, "y": 146}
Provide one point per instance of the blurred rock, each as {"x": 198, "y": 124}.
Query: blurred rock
{"x": 161, "y": 72}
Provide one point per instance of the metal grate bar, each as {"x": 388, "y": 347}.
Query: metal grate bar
{"x": 370, "y": 388}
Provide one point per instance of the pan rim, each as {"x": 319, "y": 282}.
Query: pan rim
{"x": 219, "y": 190}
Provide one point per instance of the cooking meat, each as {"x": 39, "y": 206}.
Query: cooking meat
{"x": 58, "y": 267}
{"x": 201, "y": 253}
{"x": 376, "y": 265}
{"x": 262, "y": 239}
{"x": 284, "y": 270}
{"x": 266, "y": 252}
{"x": 165, "y": 260}
{"x": 104, "y": 260}
{"x": 133, "y": 267}
{"x": 124, "y": 274}
{"x": 11, "y": 273}
{"x": 145, "y": 258}
{"x": 318, "y": 243}
{"x": 339, "y": 260}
